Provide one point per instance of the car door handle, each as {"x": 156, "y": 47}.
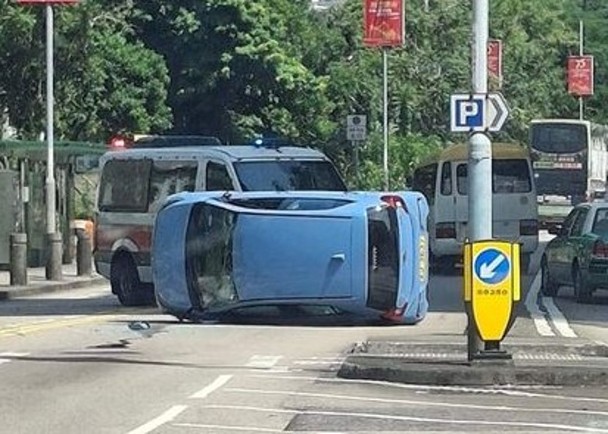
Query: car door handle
{"x": 339, "y": 257}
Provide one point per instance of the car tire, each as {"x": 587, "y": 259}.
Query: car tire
{"x": 126, "y": 284}
{"x": 548, "y": 286}
{"x": 582, "y": 290}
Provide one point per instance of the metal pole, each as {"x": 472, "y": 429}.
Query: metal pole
{"x": 355, "y": 145}
{"x": 581, "y": 108}
{"x": 480, "y": 153}
{"x": 385, "y": 123}
{"x": 53, "y": 269}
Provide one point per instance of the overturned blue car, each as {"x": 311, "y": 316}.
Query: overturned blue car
{"x": 359, "y": 252}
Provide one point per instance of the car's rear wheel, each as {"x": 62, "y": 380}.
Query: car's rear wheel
{"x": 582, "y": 289}
{"x": 126, "y": 284}
{"x": 549, "y": 287}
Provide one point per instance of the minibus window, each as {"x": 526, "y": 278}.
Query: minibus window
{"x": 170, "y": 177}
{"x": 461, "y": 179}
{"x": 511, "y": 176}
{"x": 446, "y": 179}
{"x": 424, "y": 182}
{"x": 508, "y": 176}
{"x": 118, "y": 195}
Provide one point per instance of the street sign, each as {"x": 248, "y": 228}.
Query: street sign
{"x": 384, "y": 23}
{"x": 492, "y": 285}
{"x": 495, "y": 60}
{"x": 580, "y": 75}
{"x": 356, "y": 128}
{"x": 478, "y": 112}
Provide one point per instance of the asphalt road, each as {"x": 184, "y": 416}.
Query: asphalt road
{"x": 76, "y": 362}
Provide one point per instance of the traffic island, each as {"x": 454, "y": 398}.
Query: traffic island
{"x": 582, "y": 365}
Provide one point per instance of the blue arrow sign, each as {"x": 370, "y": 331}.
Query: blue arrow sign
{"x": 492, "y": 266}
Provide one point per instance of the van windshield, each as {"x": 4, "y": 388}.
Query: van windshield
{"x": 508, "y": 176}
{"x": 288, "y": 175}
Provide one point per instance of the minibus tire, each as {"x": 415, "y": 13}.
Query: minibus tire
{"x": 126, "y": 284}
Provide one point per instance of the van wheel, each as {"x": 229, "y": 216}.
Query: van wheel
{"x": 526, "y": 260}
{"x": 126, "y": 285}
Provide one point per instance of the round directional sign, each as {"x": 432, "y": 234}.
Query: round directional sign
{"x": 492, "y": 266}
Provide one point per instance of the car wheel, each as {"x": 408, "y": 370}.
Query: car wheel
{"x": 126, "y": 285}
{"x": 524, "y": 267}
{"x": 548, "y": 286}
{"x": 582, "y": 290}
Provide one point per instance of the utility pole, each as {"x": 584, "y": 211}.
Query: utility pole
{"x": 581, "y": 29}
{"x": 53, "y": 266}
{"x": 480, "y": 153}
{"x": 385, "y": 116}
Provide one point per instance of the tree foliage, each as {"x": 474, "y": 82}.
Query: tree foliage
{"x": 238, "y": 68}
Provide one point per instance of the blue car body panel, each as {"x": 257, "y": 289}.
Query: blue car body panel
{"x": 294, "y": 247}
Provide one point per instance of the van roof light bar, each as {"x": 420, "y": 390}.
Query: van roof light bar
{"x": 175, "y": 141}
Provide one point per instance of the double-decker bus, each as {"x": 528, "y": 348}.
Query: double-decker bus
{"x": 570, "y": 161}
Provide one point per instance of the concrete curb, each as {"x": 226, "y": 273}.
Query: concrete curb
{"x": 12, "y": 292}
{"x": 451, "y": 373}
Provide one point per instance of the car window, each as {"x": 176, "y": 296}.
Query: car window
{"x": 218, "y": 178}
{"x": 600, "y": 222}
{"x": 511, "y": 176}
{"x": 579, "y": 223}
{"x": 569, "y": 220}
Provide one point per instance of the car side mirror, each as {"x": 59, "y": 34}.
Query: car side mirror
{"x": 556, "y": 230}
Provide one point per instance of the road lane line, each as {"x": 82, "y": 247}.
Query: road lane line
{"x": 416, "y": 403}
{"x": 469, "y": 423}
{"x": 258, "y": 361}
{"x": 226, "y": 427}
{"x": 208, "y": 390}
{"x": 42, "y": 326}
{"x": 542, "y": 325}
{"x": 558, "y": 319}
{"x": 503, "y": 390}
{"x": 167, "y": 416}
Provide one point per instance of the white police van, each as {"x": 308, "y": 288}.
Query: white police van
{"x": 136, "y": 179}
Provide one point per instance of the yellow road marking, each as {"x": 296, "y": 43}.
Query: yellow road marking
{"x": 54, "y": 324}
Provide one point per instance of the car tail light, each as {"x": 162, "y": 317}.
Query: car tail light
{"x": 528, "y": 227}
{"x": 119, "y": 143}
{"x": 600, "y": 249}
{"x": 394, "y": 201}
{"x": 445, "y": 230}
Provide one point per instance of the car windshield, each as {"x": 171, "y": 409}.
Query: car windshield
{"x": 288, "y": 175}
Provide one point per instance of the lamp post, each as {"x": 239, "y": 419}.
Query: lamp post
{"x": 54, "y": 240}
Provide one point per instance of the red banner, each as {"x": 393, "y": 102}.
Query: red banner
{"x": 580, "y": 75}
{"x": 495, "y": 58}
{"x": 383, "y": 22}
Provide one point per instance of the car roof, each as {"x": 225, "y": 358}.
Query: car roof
{"x": 600, "y": 204}
{"x": 236, "y": 153}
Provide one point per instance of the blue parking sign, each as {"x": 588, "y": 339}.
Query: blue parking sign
{"x": 467, "y": 113}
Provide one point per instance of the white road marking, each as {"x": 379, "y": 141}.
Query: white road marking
{"x": 411, "y": 418}
{"x": 541, "y": 323}
{"x": 502, "y": 390}
{"x": 412, "y": 402}
{"x": 208, "y": 390}
{"x": 263, "y": 361}
{"x": 558, "y": 319}
{"x": 226, "y": 427}
{"x": 167, "y": 416}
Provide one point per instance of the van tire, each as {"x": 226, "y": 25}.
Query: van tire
{"x": 126, "y": 284}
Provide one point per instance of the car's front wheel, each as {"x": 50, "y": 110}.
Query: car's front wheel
{"x": 582, "y": 289}
{"x": 548, "y": 286}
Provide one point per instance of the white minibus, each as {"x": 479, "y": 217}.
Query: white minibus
{"x": 443, "y": 181}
